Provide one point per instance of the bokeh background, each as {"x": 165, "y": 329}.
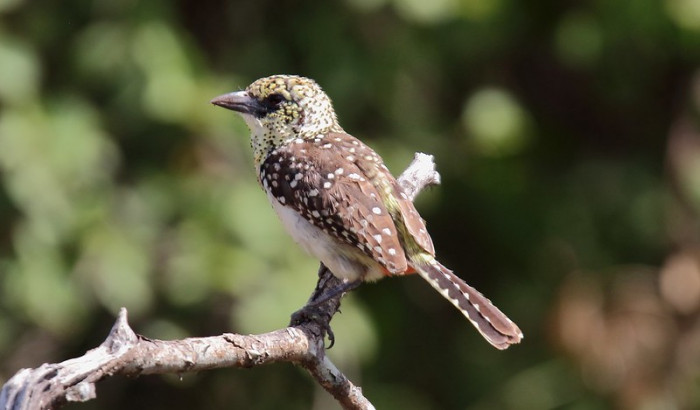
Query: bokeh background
{"x": 566, "y": 133}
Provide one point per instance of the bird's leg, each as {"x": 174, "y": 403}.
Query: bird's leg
{"x": 317, "y": 309}
{"x": 326, "y": 279}
{"x": 328, "y": 294}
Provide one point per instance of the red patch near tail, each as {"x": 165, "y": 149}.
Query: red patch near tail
{"x": 409, "y": 271}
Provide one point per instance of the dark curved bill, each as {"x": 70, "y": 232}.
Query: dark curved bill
{"x": 239, "y": 101}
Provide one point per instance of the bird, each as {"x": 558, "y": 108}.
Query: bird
{"x": 339, "y": 202}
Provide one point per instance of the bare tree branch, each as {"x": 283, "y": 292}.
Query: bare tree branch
{"x": 126, "y": 353}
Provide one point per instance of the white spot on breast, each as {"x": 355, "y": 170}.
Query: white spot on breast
{"x": 277, "y": 166}
{"x": 350, "y": 158}
{"x": 386, "y": 231}
{"x": 313, "y": 192}
{"x": 282, "y": 199}
{"x": 377, "y": 210}
{"x": 315, "y": 214}
{"x": 293, "y": 184}
{"x": 339, "y": 171}
{"x": 391, "y": 251}
{"x": 330, "y": 176}
{"x": 327, "y": 184}
{"x": 298, "y": 176}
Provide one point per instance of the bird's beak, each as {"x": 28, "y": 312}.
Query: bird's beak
{"x": 239, "y": 101}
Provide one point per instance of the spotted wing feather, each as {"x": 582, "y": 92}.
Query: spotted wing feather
{"x": 374, "y": 169}
{"x": 314, "y": 178}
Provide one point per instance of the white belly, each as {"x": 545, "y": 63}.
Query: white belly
{"x": 345, "y": 261}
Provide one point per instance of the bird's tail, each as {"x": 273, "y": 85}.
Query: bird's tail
{"x": 493, "y": 325}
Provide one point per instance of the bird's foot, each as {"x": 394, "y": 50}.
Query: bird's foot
{"x": 323, "y": 303}
{"x": 314, "y": 313}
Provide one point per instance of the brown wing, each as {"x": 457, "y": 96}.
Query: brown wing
{"x": 374, "y": 169}
{"x": 314, "y": 178}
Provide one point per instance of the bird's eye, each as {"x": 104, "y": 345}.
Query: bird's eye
{"x": 274, "y": 100}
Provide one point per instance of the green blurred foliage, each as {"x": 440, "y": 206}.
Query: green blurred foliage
{"x": 566, "y": 134}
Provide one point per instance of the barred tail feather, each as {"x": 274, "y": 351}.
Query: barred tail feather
{"x": 493, "y": 325}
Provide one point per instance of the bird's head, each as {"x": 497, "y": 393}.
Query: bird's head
{"x": 282, "y": 107}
